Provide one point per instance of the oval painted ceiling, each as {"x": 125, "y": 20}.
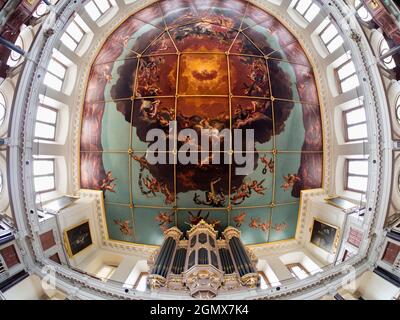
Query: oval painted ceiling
{"x": 206, "y": 65}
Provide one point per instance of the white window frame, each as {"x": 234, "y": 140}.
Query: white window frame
{"x": 332, "y": 39}
{"x": 306, "y": 12}
{"x": 52, "y": 174}
{"x": 348, "y": 126}
{"x": 342, "y": 80}
{"x": 48, "y": 123}
{"x": 53, "y": 74}
{"x": 73, "y": 39}
{"x": 349, "y": 174}
{"x": 3, "y": 106}
{"x": 96, "y": 6}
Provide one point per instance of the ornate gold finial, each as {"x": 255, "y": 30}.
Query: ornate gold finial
{"x": 231, "y": 232}
{"x": 174, "y": 233}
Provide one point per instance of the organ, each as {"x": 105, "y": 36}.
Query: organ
{"x": 201, "y": 263}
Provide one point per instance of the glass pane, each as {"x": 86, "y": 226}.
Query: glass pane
{"x": 81, "y": 23}
{"x": 52, "y": 82}
{"x": 335, "y": 43}
{"x": 46, "y": 115}
{"x": 56, "y": 68}
{"x": 40, "y": 10}
{"x": 75, "y": 32}
{"x": 398, "y": 114}
{"x": 302, "y": 6}
{"x": 357, "y": 132}
{"x": 68, "y": 42}
{"x": 358, "y": 167}
{"x": 2, "y": 108}
{"x": 142, "y": 285}
{"x": 346, "y": 70}
{"x": 103, "y": 5}
{"x": 44, "y": 183}
{"x": 2, "y": 113}
{"x": 312, "y": 12}
{"x": 329, "y": 33}
{"x": 299, "y": 272}
{"x": 364, "y": 14}
{"x": 105, "y": 272}
{"x": 263, "y": 283}
{"x": 42, "y": 167}
{"x": 350, "y": 83}
{"x": 357, "y": 183}
{"x": 44, "y": 131}
{"x": 92, "y": 11}
{"x": 355, "y": 116}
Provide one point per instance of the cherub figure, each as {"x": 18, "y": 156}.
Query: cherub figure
{"x": 280, "y": 227}
{"x": 124, "y": 227}
{"x": 213, "y": 198}
{"x": 254, "y": 222}
{"x": 164, "y": 220}
{"x": 195, "y": 219}
{"x": 239, "y": 219}
{"x": 268, "y": 164}
{"x": 142, "y": 161}
{"x": 290, "y": 180}
{"x": 152, "y": 185}
{"x": 107, "y": 184}
{"x": 264, "y": 226}
{"x": 169, "y": 196}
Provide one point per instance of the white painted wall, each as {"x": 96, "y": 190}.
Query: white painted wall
{"x": 31, "y": 289}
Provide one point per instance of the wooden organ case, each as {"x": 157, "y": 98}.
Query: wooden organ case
{"x": 202, "y": 264}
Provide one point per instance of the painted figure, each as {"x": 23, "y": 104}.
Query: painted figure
{"x": 164, "y": 220}
{"x": 268, "y": 164}
{"x": 107, "y": 184}
{"x": 290, "y": 180}
{"x": 124, "y": 227}
{"x": 213, "y": 198}
{"x": 239, "y": 219}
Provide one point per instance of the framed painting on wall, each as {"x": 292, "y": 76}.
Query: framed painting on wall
{"x": 324, "y": 235}
{"x": 77, "y": 238}
{"x": 392, "y": 250}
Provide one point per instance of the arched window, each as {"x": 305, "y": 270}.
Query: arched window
{"x": 383, "y": 49}
{"x": 41, "y": 10}
{"x": 1, "y": 182}
{"x": 2, "y": 108}
{"x": 398, "y": 109}
{"x": 15, "y": 57}
{"x": 362, "y": 12}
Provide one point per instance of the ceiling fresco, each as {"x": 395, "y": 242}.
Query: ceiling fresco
{"x": 206, "y": 65}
